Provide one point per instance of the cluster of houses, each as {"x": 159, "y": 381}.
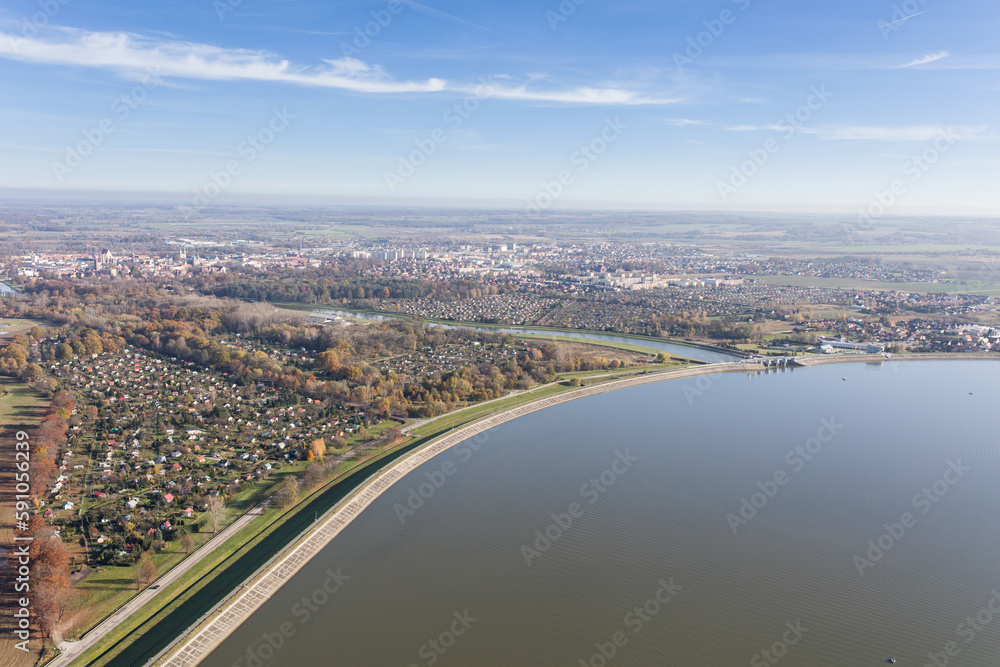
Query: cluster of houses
{"x": 916, "y": 334}
{"x": 450, "y": 357}
{"x": 154, "y": 437}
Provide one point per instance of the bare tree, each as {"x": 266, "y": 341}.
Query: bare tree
{"x": 216, "y": 511}
{"x": 287, "y": 493}
{"x": 146, "y": 572}
{"x": 187, "y": 542}
{"x": 315, "y": 474}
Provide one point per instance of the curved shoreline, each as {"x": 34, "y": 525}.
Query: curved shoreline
{"x": 212, "y": 633}
{"x": 519, "y": 328}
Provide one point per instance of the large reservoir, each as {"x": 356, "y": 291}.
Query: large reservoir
{"x": 835, "y": 515}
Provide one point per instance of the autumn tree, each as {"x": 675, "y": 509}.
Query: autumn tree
{"x": 329, "y": 361}
{"x": 50, "y": 565}
{"x": 63, "y": 403}
{"x": 187, "y": 543}
{"x": 317, "y": 448}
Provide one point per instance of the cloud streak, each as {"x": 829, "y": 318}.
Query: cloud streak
{"x": 130, "y": 53}
{"x": 843, "y": 62}
{"x": 929, "y": 58}
{"x": 902, "y": 20}
{"x": 581, "y": 95}
{"x": 437, "y": 13}
{"x": 684, "y": 122}
{"x": 904, "y": 133}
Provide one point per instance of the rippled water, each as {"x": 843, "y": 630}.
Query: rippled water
{"x": 787, "y": 581}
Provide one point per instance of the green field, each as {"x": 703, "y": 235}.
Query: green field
{"x": 374, "y": 433}
{"x": 591, "y": 341}
{"x": 8, "y": 323}
{"x": 20, "y": 406}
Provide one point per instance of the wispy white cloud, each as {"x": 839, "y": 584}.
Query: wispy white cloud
{"x": 751, "y": 128}
{"x": 882, "y": 25}
{"x": 848, "y": 62}
{"x": 903, "y": 133}
{"x": 684, "y": 122}
{"x": 878, "y": 133}
{"x": 579, "y": 95}
{"x": 929, "y": 58}
{"x": 128, "y": 54}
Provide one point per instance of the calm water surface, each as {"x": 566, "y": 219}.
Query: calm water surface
{"x": 709, "y": 356}
{"x": 879, "y": 434}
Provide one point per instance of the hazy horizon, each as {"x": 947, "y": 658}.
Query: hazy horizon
{"x": 180, "y": 200}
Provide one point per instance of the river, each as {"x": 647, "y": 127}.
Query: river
{"x": 696, "y": 353}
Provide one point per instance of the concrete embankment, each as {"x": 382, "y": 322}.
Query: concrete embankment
{"x": 210, "y": 634}
{"x": 930, "y": 356}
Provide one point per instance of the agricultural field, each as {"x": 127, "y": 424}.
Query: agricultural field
{"x": 10, "y": 327}
{"x": 20, "y": 408}
{"x": 972, "y": 287}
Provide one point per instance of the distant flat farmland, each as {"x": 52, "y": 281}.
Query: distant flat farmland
{"x": 859, "y": 284}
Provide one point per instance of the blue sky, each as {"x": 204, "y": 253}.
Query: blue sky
{"x": 721, "y": 104}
